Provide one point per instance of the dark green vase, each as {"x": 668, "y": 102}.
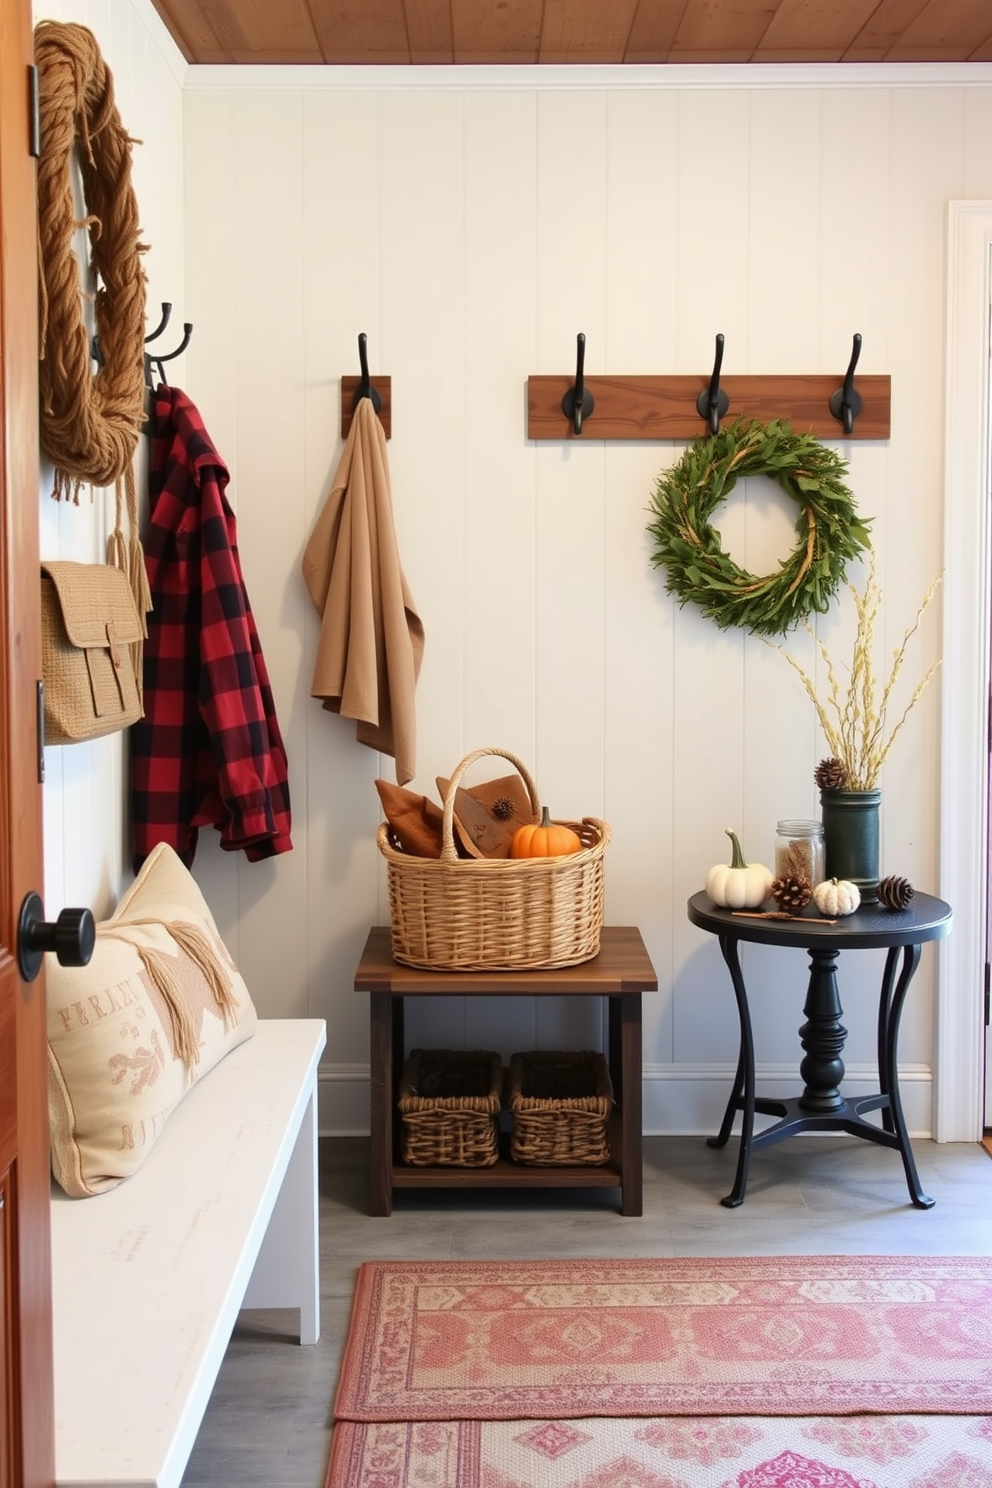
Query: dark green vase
{"x": 850, "y": 838}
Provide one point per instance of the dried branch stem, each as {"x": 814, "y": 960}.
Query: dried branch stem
{"x": 855, "y": 718}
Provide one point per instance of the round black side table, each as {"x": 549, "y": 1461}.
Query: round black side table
{"x": 822, "y": 1107}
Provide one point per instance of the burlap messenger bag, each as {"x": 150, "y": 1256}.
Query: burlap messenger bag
{"x": 90, "y": 635}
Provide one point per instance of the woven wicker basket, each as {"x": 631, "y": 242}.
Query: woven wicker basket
{"x": 560, "y": 1105}
{"x": 495, "y": 914}
{"x": 449, "y": 1101}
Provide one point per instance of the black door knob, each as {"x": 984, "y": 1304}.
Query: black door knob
{"x": 72, "y": 937}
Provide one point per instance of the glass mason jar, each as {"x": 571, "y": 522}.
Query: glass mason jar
{"x": 799, "y": 851}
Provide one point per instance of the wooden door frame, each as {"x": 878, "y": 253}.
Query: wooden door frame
{"x": 965, "y": 674}
{"x": 30, "y": 1399}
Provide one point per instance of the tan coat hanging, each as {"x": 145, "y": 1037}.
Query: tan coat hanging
{"x": 371, "y": 641}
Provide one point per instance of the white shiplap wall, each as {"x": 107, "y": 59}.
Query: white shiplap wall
{"x": 472, "y": 223}
{"x": 471, "y": 231}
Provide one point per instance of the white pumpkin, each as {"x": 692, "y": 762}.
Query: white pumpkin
{"x": 836, "y": 896}
{"x": 738, "y": 884}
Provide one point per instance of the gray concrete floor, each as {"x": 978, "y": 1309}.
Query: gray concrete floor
{"x": 268, "y": 1421}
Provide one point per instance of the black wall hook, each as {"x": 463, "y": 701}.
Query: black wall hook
{"x": 365, "y": 388}
{"x": 166, "y": 317}
{"x": 845, "y": 403}
{"x": 165, "y": 356}
{"x": 713, "y": 402}
{"x": 578, "y": 403}
{"x": 97, "y": 354}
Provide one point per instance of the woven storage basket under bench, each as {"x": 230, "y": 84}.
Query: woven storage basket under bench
{"x": 560, "y": 1107}
{"x": 449, "y": 1101}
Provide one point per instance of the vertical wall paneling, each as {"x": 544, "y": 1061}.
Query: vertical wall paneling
{"x": 422, "y": 186}
{"x": 708, "y": 696}
{"x": 503, "y": 562}
{"x": 783, "y": 227}
{"x": 498, "y": 475}
{"x": 422, "y": 183}
{"x": 472, "y": 231}
{"x": 266, "y": 358}
{"x": 336, "y": 796}
{"x": 785, "y": 273}
{"x": 571, "y": 496}
{"x": 571, "y": 493}
{"x": 786, "y": 281}
{"x": 642, "y": 296}
{"x": 856, "y": 249}
{"x": 710, "y": 216}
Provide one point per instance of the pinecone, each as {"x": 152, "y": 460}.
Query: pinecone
{"x": 502, "y": 808}
{"x": 792, "y": 892}
{"x": 894, "y": 892}
{"x": 830, "y": 774}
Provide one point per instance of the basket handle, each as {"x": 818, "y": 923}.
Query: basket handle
{"x": 448, "y": 851}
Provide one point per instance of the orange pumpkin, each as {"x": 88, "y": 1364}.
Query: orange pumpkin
{"x": 548, "y": 840}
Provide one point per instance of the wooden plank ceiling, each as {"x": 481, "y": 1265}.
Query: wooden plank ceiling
{"x": 418, "y": 32}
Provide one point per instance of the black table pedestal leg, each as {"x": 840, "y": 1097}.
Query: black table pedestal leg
{"x": 822, "y": 1036}
{"x": 884, "y": 1019}
{"x": 742, "y": 1097}
{"x": 889, "y": 1014}
{"x": 733, "y": 1105}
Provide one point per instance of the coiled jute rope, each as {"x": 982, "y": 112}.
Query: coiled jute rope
{"x": 89, "y": 423}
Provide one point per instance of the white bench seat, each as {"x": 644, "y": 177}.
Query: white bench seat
{"x": 148, "y": 1279}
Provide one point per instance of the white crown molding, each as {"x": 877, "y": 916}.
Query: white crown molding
{"x": 649, "y": 77}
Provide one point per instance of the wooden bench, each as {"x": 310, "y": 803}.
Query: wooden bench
{"x": 148, "y": 1279}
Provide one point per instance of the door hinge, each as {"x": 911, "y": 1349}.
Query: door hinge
{"x": 988, "y": 992}
{"x": 39, "y": 726}
{"x": 34, "y": 114}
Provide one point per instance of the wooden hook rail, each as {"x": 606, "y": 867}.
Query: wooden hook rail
{"x": 665, "y": 407}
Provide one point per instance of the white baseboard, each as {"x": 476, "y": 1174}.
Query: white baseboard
{"x": 690, "y": 1101}
{"x": 343, "y": 1100}
{"x": 683, "y": 1100}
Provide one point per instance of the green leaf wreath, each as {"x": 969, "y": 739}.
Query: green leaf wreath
{"x": 701, "y": 572}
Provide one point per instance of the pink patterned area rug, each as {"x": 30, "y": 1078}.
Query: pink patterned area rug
{"x": 819, "y": 1336}
{"x": 671, "y": 1452}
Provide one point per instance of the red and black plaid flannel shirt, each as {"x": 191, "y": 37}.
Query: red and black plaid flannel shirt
{"x": 208, "y": 750}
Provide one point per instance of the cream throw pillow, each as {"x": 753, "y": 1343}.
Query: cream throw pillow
{"x": 160, "y": 1003}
